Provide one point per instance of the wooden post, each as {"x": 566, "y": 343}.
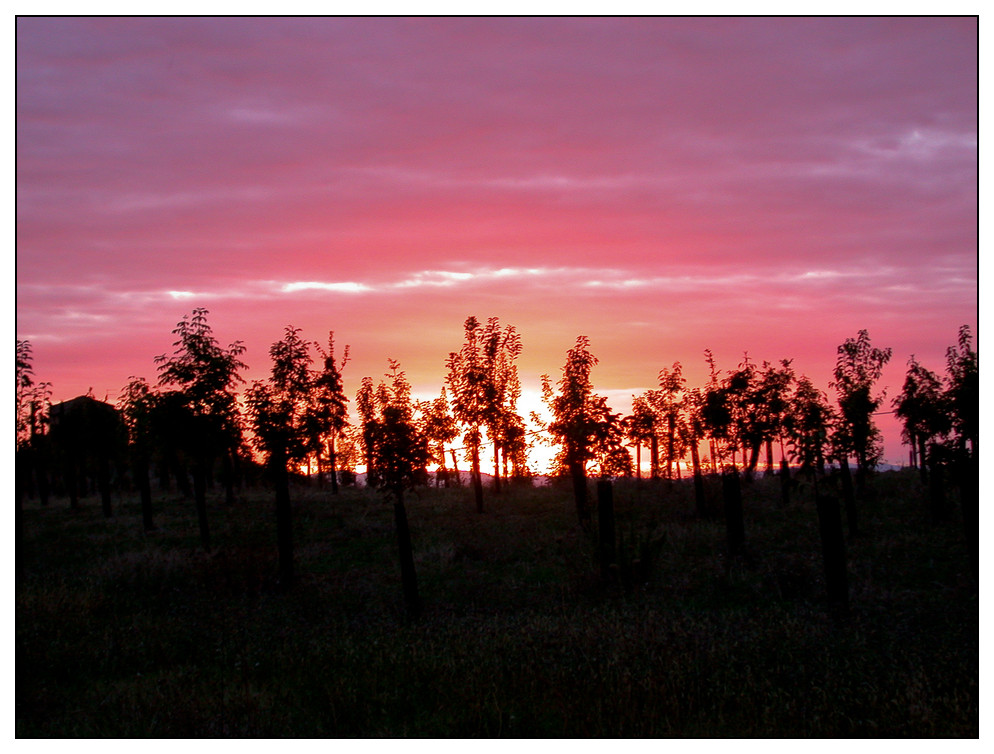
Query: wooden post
{"x": 605, "y": 524}
{"x": 849, "y": 495}
{"x": 408, "y": 576}
{"x": 732, "y": 494}
{"x": 834, "y": 553}
{"x": 784, "y": 483}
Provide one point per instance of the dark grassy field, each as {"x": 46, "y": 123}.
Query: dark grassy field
{"x": 124, "y": 634}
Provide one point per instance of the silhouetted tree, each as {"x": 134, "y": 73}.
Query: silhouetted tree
{"x": 469, "y": 380}
{"x": 172, "y": 422}
{"x": 693, "y": 431}
{"x": 857, "y": 367}
{"x": 667, "y": 403}
{"x": 717, "y": 418}
{"x": 23, "y": 389}
{"x": 740, "y": 391}
{"x": 963, "y": 391}
{"x": 770, "y": 399}
{"x": 921, "y": 407}
{"x": 205, "y": 375}
{"x": 136, "y": 405}
{"x": 439, "y": 428}
{"x": 33, "y": 401}
{"x": 640, "y": 427}
{"x": 583, "y": 425}
{"x": 365, "y": 401}
{"x": 330, "y": 416}
{"x": 963, "y": 398}
{"x": 807, "y": 424}
{"x": 400, "y": 454}
{"x": 500, "y": 349}
{"x": 279, "y": 411}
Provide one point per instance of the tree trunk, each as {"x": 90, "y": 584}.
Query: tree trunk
{"x": 700, "y": 503}
{"x": 850, "y": 497}
{"x": 442, "y": 473}
{"x": 670, "y": 433}
{"x": 654, "y": 457}
{"x": 496, "y": 468}
{"x": 922, "y": 458}
{"x": 228, "y": 475}
{"x": 862, "y": 469}
{"x": 638, "y": 460}
{"x": 455, "y": 467}
{"x": 200, "y": 502}
{"x": 477, "y": 481}
{"x": 408, "y": 576}
{"x": 333, "y": 463}
{"x": 769, "y": 458}
{"x": 784, "y": 483}
{"x": 936, "y": 495}
{"x": 284, "y": 517}
{"x": 579, "y": 476}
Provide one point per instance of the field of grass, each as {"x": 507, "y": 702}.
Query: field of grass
{"x": 122, "y": 634}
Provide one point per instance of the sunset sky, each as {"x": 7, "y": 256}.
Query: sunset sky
{"x": 662, "y": 186}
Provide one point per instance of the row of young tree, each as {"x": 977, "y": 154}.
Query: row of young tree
{"x": 192, "y": 424}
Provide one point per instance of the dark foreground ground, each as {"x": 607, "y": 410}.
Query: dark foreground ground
{"x": 124, "y": 634}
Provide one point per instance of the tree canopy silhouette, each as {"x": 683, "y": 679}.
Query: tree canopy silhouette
{"x": 205, "y": 375}
{"x": 582, "y": 424}
{"x": 399, "y": 451}
{"x": 858, "y": 367}
{"x": 280, "y": 411}
{"x": 469, "y": 379}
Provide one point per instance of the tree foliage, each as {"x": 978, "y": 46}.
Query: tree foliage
{"x": 858, "y": 366}
{"x": 281, "y": 408}
{"x": 806, "y": 425}
{"x": 583, "y": 425}
{"x": 330, "y": 413}
{"x": 205, "y": 375}
{"x": 922, "y": 408}
{"x": 32, "y": 400}
{"x": 202, "y": 409}
{"x": 399, "y": 447}
{"x": 963, "y": 391}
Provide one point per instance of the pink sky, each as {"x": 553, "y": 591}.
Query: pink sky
{"x": 660, "y": 185}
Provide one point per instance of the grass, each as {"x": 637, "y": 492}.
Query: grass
{"x": 122, "y": 634}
